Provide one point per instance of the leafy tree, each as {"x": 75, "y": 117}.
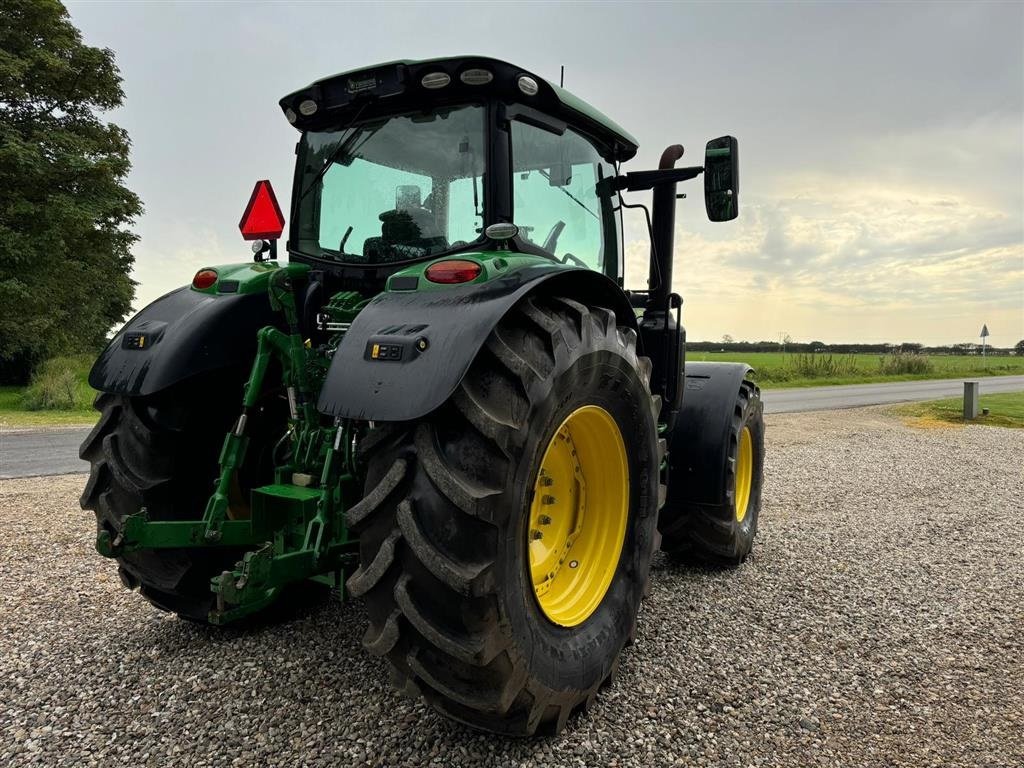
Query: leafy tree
{"x": 727, "y": 338}
{"x": 65, "y": 247}
{"x": 1019, "y": 346}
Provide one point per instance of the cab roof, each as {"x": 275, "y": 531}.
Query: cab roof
{"x": 395, "y": 86}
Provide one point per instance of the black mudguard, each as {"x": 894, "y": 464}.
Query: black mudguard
{"x": 426, "y": 340}
{"x": 699, "y": 444}
{"x": 182, "y": 334}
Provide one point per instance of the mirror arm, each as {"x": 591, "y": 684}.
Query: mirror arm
{"x": 637, "y": 181}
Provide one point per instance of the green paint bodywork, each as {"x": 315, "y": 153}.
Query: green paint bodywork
{"x": 252, "y": 277}
{"x": 493, "y": 264}
{"x": 575, "y": 103}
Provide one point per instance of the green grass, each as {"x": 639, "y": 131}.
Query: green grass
{"x": 14, "y": 414}
{"x": 1005, "y": 410}
{"x": 775, "y": 370}
{"x": 58, "y": 395}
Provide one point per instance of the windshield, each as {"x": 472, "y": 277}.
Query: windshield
{"x": 397, "y": 189}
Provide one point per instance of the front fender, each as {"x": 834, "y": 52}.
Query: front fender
{"x": 180, "y": 335}
{"x": 426, "y": 340}
{"x": 699, "y": 443}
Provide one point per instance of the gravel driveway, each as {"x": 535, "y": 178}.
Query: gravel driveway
{"x": 880, "y": 622}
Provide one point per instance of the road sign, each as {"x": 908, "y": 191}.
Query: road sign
{"x": 984, "y": 331}
{"x": 262, "y": 219}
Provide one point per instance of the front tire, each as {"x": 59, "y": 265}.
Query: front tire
{"x": 723, "y": 534}
{"x": 454, "y": 589}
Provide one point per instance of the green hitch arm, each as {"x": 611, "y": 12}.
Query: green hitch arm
{"x": 327, "y": 503}
{"x": 282, "y": 298}
{"x": 236, "y": 442}
{"x": 291, "y": 350}
{"x": 139, "y": 532}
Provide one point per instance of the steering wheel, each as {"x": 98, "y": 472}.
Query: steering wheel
{"x": 569, "y": 257}
{"x": 552, "y": 239}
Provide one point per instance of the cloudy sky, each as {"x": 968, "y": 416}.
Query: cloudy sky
{"x": 881, "y": 145}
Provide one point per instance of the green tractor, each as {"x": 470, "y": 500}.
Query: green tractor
{"x": 450, "y": 406}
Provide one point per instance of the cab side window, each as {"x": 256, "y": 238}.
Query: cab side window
{"x": 555, "y": 196}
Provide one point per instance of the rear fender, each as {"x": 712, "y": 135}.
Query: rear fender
{"x": 181, "y": 335}
{"x": 699, "y": 444}
{"x": 426, "y": 340}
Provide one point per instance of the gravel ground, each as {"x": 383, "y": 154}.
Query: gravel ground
{"x": 879, "y": 623}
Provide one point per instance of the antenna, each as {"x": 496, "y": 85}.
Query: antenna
{"x": 561, "y": 78}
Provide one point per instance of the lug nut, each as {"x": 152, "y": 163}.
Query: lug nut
{"x": 548, "y": 500}
{"x": 544, "y": 520}
{"x": 535, "y": 535}
{"x": 547, "y": 481}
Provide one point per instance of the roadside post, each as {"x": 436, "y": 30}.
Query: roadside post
{"x": 970, "y": 399}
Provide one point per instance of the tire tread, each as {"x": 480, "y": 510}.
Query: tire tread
{"x": 461, "y": 659}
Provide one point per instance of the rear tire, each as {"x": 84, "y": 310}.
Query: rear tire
{"x": 445, "y": 565}
{"x": 723, "y": 534}
{"x": 161, "y": 453}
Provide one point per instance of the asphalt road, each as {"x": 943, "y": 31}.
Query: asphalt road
{"x": 41, "y": 452}
{"x": 55, "y": 451}
{"x": 854, "y": 395}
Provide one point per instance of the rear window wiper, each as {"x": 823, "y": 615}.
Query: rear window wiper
{"x": 339, "y": 151}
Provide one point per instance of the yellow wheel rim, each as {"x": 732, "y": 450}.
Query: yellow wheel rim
{"x": 578, "y": 516}
{"x": 744, "y": 473}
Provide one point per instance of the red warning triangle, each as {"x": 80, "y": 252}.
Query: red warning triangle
{"x": 262, "y": 219}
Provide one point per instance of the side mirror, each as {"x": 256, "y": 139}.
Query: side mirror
{"x": 722, "y": 179}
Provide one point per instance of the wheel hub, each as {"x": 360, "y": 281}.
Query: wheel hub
{"x": 578, "y": 515}
{"x": 744, "y": 473}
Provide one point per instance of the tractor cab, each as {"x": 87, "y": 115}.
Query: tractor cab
{"x": 411, "y": 161}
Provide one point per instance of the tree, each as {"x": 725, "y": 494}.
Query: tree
{"x": 65, "y": 246}
{"x": 1019, "y": 347}
{"x": 726, "y": 338}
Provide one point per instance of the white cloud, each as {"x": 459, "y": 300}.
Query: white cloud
{"x": 837, "y": 260}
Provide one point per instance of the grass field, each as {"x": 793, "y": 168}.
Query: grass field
{"x": 1005, "y": 410}
{"x": 61, "y": 396}
{"x": 14, "y": 414}
{"x": 775, "y": 370}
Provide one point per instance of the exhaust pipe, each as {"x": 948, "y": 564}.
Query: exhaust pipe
{"x": 663, "y": 224}
{"x": 663, "y": 338}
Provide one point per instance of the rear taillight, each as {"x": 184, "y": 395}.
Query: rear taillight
{"x": 453, "y": 271}
{"x": 204, "y": 279}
